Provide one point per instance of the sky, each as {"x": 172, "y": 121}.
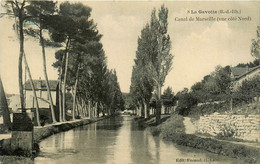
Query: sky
{"x": 197, "y": 46}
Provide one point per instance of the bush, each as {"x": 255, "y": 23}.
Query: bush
{"x": 226, "y": 131}
{"x": 186, "y": 101}
{"x": 247, "y": 91}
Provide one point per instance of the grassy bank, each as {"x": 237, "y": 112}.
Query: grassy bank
{"x": 149, "y": 122}
{"x": 173, "y": 130}
{"x": 171, "y": 126}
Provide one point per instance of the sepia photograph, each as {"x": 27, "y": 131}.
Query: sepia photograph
{"x": 129, "y": 82}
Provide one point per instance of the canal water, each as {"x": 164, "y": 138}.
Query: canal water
{"x": 115, "y": 141}
{"x": 118, "y": 140}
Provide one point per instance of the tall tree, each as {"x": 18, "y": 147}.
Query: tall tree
{"x": 153, "y": 60}
{"x": 255, "y": 47}
{"x": 17, "y": 8}
{"x": 161, "y": 61}
{"x": 38, "y": 10}
{"x": 65, "y": 29}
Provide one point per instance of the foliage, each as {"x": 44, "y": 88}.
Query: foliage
{"x": 185, "y": 103}
{"x": 87, "y": 61}
{"x": 255, "y": 47}
{"x": 168, "y": 97}
{"x": 247, "y": 91}
{"x": 215, "y": 87}
{"x": 153, "y": 61}
{"x": 226, "y": 131}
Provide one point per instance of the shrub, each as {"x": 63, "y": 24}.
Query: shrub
{"x": 226, "y": 131}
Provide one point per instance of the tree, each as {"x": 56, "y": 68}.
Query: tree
{"x": 141, "y": 81}
{"x": 168, "y": 99}
{"x": 255, "y": 47}
{"x": 161, "y": 59}
{"x": 38, "y": 11}
{"x": 64, "y": 29}
{"x": 17, "y": 8}
{"x": 185, "y": 102}
{"x": 153, "y": 61}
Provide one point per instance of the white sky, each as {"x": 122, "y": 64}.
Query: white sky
{"x": 198, "y": 47}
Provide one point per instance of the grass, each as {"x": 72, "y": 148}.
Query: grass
{"x": 173, "y": 125}
{"x": 174, "y": 130}
{"x": 248, "y": 154}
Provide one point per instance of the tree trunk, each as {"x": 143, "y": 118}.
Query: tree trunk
{"x": 79, "y": 108}
{"x": 148, "y": 109}
{"x": 96, "y": 109}
{"x": 33, "y": 89}
{"x": 89, "y": 110}
{"x": 60, "y": 91}
{"x": 103, "y": 110}
{"x": 82, "y": 110}
{"x": 109, "y": 110}
{"x": 74, "y": 95}
{"x": 20, "y": 69}
{"x": 145, "y": 111}
{"x": 158, "y": 105}
{"x": 76, "y": 109}
{"x": 4, "y": 108}
{"x": 60, "y": 99}
{"x": 46, "y": 77}
{"x": 65, "y": 80}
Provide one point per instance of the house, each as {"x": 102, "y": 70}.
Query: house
{"x": 41, "y": 92}
{"x": 239, "y": 74}
{"x": 43, "y": 98}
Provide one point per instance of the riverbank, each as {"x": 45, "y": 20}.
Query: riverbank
{"x": 148, "y": 122}
{"x": 174, "y": 130}
{"x": 41, "y": 133}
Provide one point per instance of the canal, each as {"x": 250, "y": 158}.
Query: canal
{"x": 116, "y": 141}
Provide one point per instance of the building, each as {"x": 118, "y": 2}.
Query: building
{"x": 41, "y": 92}
{"x": 43, "y": 98}
{"x": 240, "y": 74}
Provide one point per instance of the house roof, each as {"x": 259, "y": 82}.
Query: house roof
{"x": 41, "y": 85}
{"x": 238, "y": 71}
{"x": 249, "y": 71}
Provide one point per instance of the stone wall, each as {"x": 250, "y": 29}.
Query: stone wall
{"x": 237, "y": 126}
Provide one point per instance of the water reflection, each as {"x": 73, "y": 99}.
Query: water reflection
{"x": 116, "y": 140}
